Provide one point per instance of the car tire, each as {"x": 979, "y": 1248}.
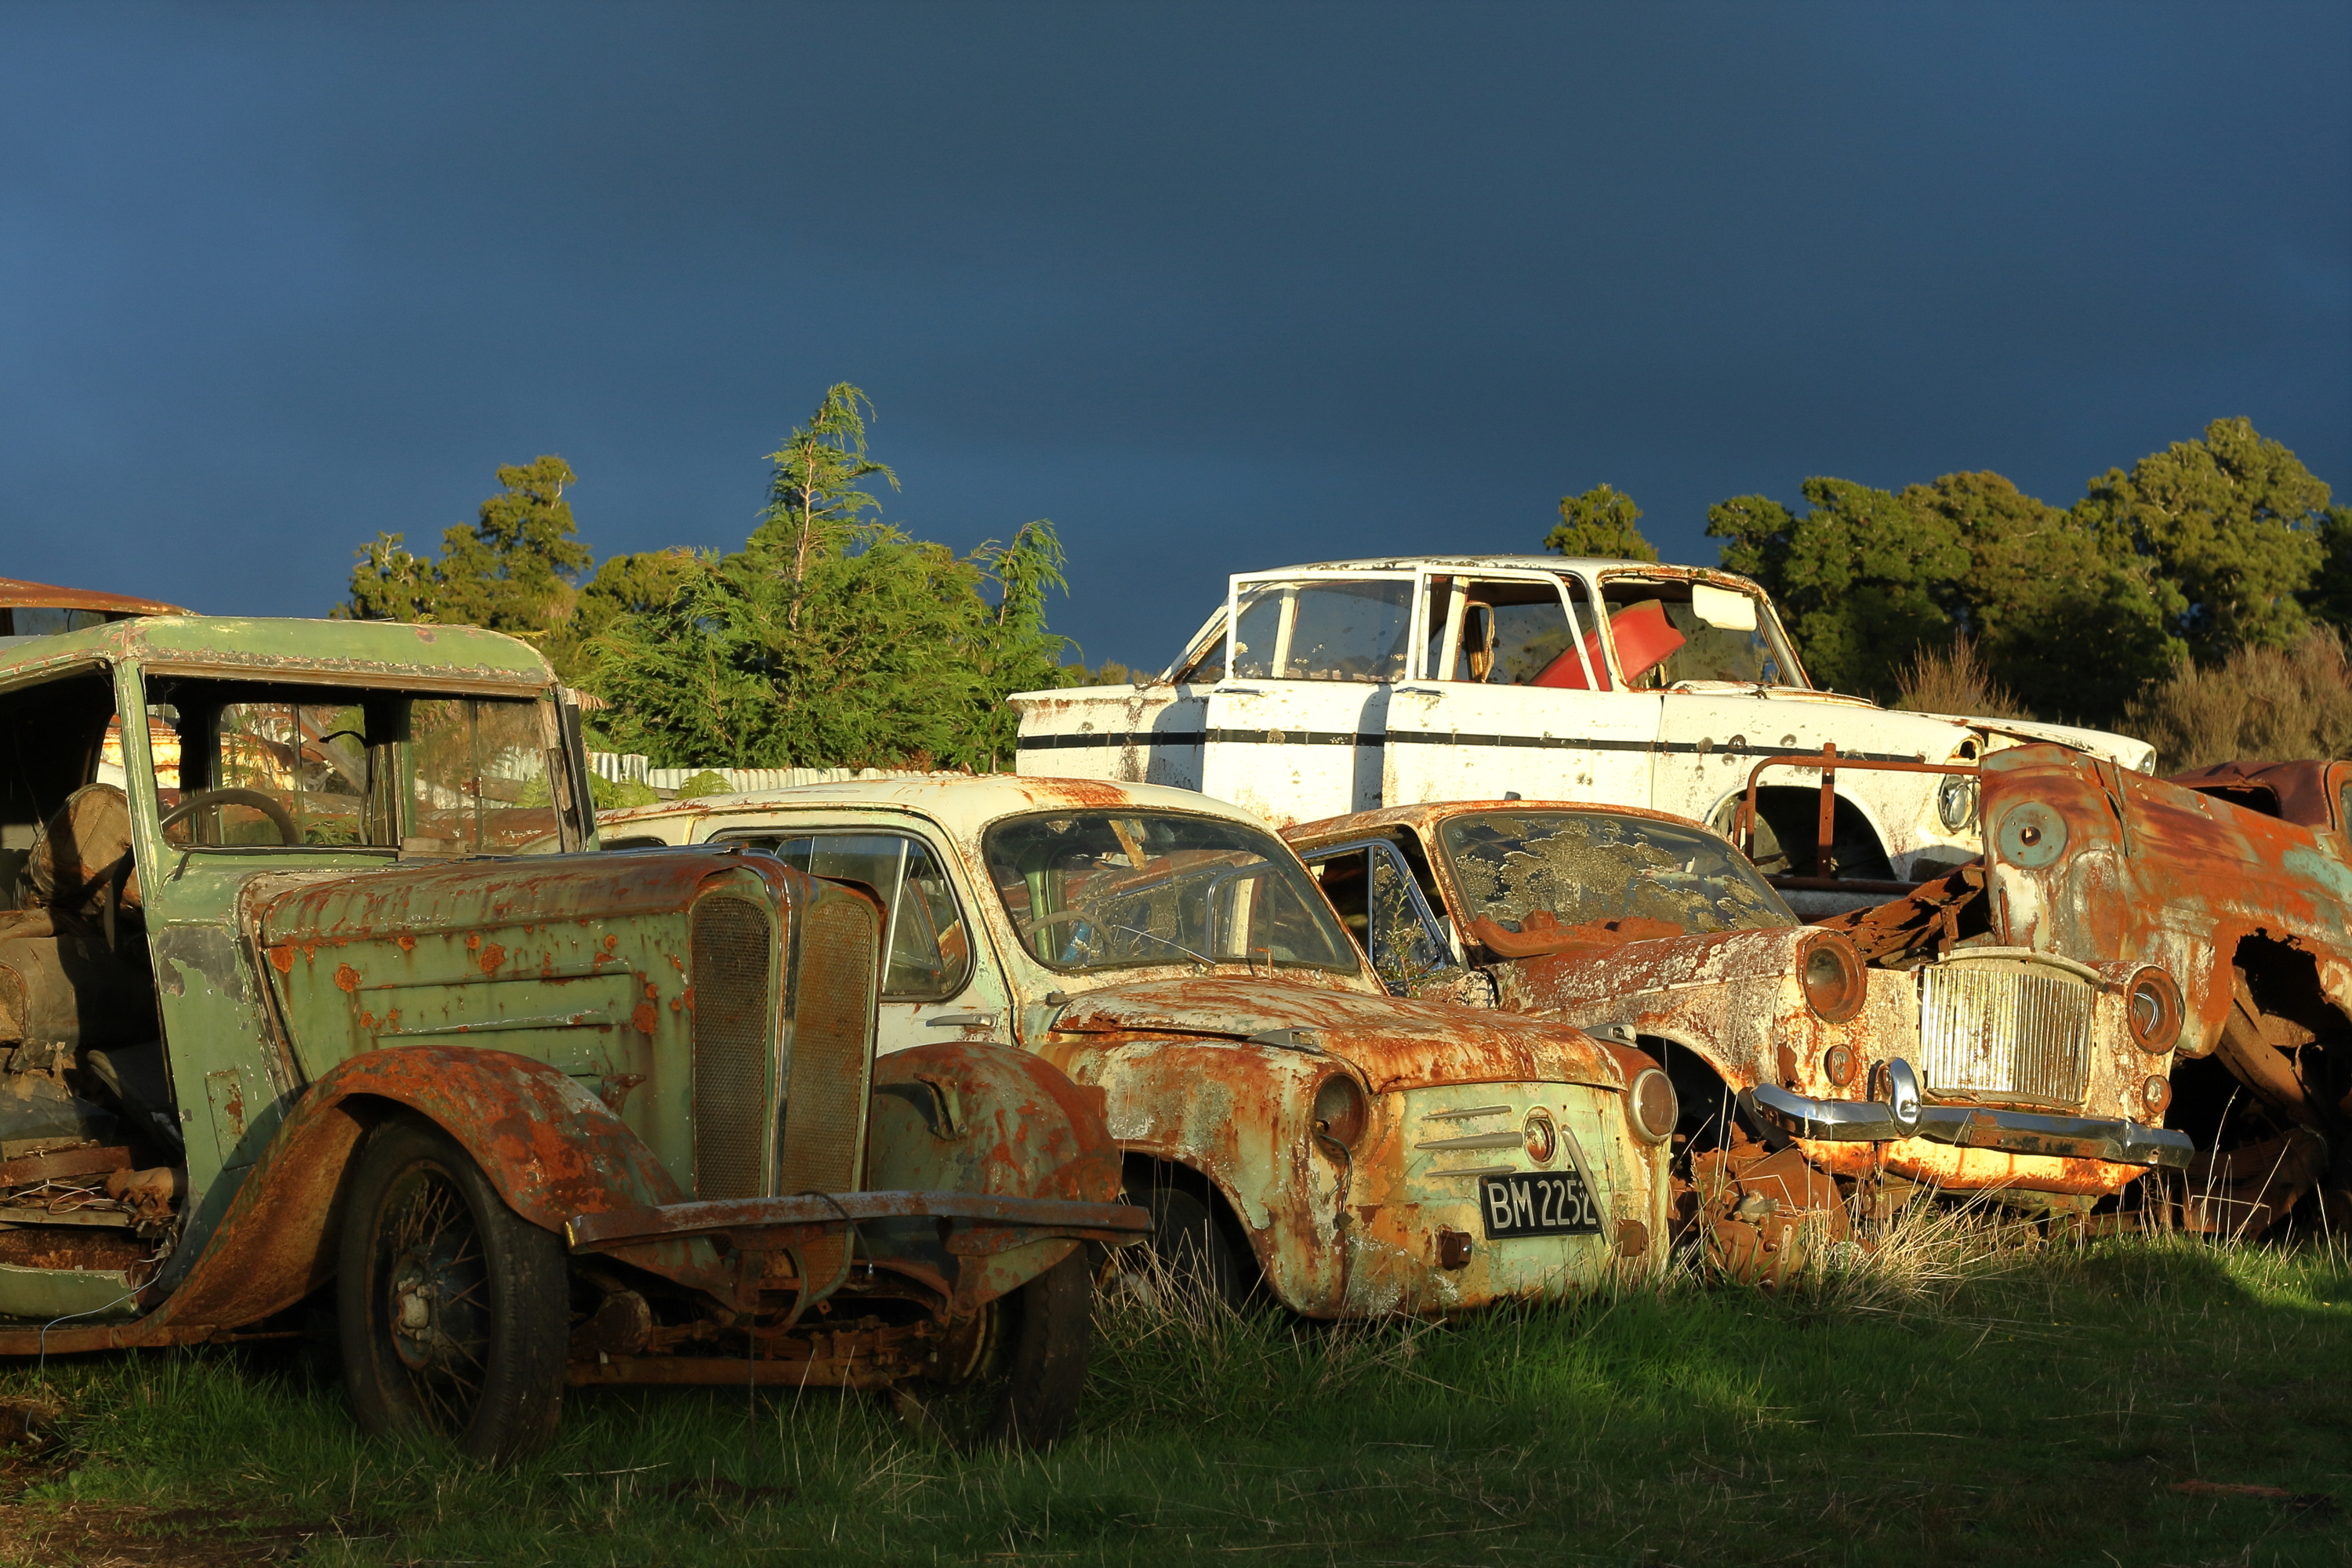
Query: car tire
{"x": 453, "y": 1309}
{"x": 1027, "y": 1354}
{"x": 1192, "y": 1242}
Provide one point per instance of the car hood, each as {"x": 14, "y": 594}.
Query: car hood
{"x": 1396, "y": 1044}
{"x": 1581, "y": 976}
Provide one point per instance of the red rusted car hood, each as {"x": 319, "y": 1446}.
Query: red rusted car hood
{"x": 1397, "y": 1044}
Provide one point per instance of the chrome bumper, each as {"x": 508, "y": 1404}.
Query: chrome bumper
{"x": 1905, "y": 1115}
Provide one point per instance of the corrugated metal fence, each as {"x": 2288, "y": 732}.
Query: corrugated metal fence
{"x": 623, "y": 767}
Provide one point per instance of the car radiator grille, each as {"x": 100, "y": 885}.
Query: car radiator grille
{"x": 732, "y": 944}
{"x": 822, "y": 1142}
{"x": 2004, "y": 1033}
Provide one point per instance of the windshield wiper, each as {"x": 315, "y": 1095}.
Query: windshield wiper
{"x": 1153, "y": 936}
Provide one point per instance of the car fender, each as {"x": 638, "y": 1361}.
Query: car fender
{"x": 551, "y": 1149}
{"x": 976, "y": 1117}
{"x": 1238, "y": 1113}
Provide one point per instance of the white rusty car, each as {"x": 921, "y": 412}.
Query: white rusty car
{"x": 1346, "y": 686}
{"x": 1965, "y": 1066}
{"x": 1284, "y": 1117}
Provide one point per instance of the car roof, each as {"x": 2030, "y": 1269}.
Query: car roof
{"x": 360, "y": 652}
{"x": 1507, "y": 563}
{"x": 1427, "y": 813}
{"x": 957, "y": 800}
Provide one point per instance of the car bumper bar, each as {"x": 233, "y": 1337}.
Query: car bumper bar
{"x": 2119, "y": 1141}
{"x": 975, "y": 1222}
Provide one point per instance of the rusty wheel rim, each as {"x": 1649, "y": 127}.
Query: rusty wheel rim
{"x": 434, "y": 1297}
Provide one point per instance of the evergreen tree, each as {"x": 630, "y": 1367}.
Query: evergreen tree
{"x": 2232, "y": 527}
{"x": 1602, "y": 522}
{"x": 832, "y": 639}
{"x": 515, "y": 570}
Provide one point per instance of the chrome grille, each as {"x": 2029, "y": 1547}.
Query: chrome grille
{"x": 731, "y": 946}
{"x": 2002, "y": 1032}
{"x": 823, "y": 1140}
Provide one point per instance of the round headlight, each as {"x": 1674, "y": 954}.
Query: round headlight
{"x": 1543, "y": 1138}
{"x": 1831, "y": 972}
{"x": 1956, "y": 802}
{"x": 1651, "y": 1105}
{"x": 1339, "y": 1111}
{"x": 2154, "y": 1003}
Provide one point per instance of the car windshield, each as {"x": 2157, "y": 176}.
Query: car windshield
{"x": 1351, "y": 629}
{"x": 1101, "y": 890}
{"x": 1677, "y": 631}
{"x": 1589, "y": 868}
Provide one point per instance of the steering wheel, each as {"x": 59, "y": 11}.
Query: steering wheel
{"x": 268, "y": 805}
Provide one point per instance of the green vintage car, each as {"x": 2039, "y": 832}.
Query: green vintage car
{"x": 310, "y": 991}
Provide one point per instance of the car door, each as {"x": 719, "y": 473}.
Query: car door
{"x": 1372, "y": 890}
{"x": 942, "y": 981}
{"x": 1515, "y": 696}
{"x": 1296, "y": 726}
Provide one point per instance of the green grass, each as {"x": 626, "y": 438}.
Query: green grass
{"x": 1948, "y": 1403}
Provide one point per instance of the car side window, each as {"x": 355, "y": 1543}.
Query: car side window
{"x": 1377, "y": 899}
{"x": 929, "y": 943}
{"x": 1513, "y": 634}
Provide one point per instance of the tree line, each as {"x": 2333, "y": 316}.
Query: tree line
{"x": 2195, "y": 599}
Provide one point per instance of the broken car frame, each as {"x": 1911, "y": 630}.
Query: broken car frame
{"x": 2235, "y": 882}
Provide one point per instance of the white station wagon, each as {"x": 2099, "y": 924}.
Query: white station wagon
{"x": 1317, "y": 690}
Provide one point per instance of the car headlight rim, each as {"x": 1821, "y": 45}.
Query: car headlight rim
{"x": 1339, "y": 1110}
{"x": 1652, "y": 1107}
{"x": 2153, "y": 1010}
{"x": 1830, "y": 972}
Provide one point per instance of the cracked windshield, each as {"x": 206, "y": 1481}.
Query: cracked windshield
{"x": 1586, "y": 868}
{"x": 1091, "y": 891}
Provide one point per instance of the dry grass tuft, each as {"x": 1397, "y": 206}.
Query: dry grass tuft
{"x": 1956, "y": 680}
{"x": 2260, "y": 704}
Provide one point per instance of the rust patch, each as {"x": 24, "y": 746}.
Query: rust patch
{"x": 493, "y": 956}
{"x": 408, "y": 943}
{"x": 281, "y": 959}
{"x": 346, "y": 977}
{"x": 645, "y": 1019}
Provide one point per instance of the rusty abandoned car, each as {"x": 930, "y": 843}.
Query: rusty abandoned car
{"x": 1972, "y": 1069}
{"x": 2234, "y": 881}
{"x": 307, "y": 986}
{"x": 1348, "y": 685}
{"x": 1283, "y": 1117}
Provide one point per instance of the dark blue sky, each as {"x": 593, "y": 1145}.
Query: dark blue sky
{"x": 1213, "y": 288}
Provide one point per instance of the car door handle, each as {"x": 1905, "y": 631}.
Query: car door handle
{"x": 962, "y": 1021}
{"x": 1238, "y": 691}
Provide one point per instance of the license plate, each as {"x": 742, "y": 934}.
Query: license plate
{"x": 1538, "y": 1203}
